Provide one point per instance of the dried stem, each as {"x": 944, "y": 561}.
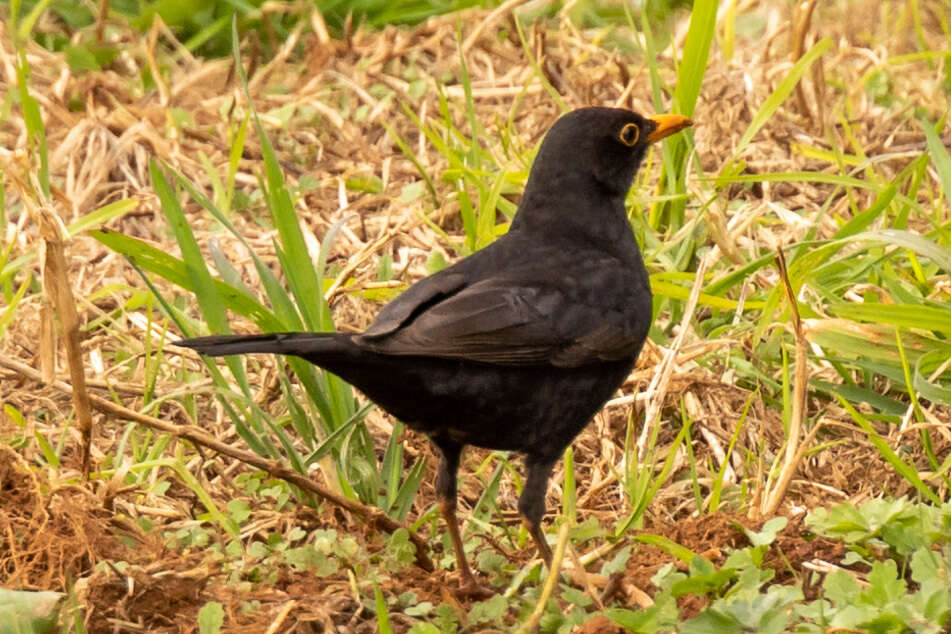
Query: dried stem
{"x": 59, "y": 299}
{"x": 793, "y": 453}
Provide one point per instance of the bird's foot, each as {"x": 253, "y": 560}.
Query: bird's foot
{"x": 469, "y": 588}
{"x": 584, "y": 580}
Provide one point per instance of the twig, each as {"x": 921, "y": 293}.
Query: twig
{"x": 157, "y": 75}
{"x": 550, "y": 582}
{"x": 101, "y": 20}
{"x": 58, "y": 297}
{"x": 582, "y": 578}
{"x": 800, "y": 379}
{"x": 278, "y": 621}
{"x": 802, "y": 18}
{"x": 59, "y": 291}
{"x": 658, "y": 387}
{"x": 487, "y": 21}
{"x": 372, "y": 516}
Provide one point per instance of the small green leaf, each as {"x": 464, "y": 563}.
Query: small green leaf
{"x": 211, "y": 618}
{"x": 576, "y": 597}
{"x": 710, "y": 621}
{"x": 490, "y": 611}
{"x": 703, "y": 578}
{"x": 668, "y": 545}
{"x": 490, "y": 562}
{"x": 423, "y": 608}
{"x": 841, "y": 587}
{"x": 80, "y": 58}
{"x": 369, "y": 183}
{"x": 416, "y": 89}
{"x": 767, "y": 533}
{"x": 939, "y": 157}
{"x": 446, "y": 618}
{"x": 633, "y": 620}
{"x": 33, "y": 612}
{"x": 435, "y": 262}
{"x": 618, "y": 563}
{"x": 412, "y": 192}
{"x": 14, "y": 414}
{"x": 400, "y": 551}
{"x": 885, "y": 585}
{"x": 239, "y": 510}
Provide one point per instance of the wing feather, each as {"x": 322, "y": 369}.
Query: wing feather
{"x": 416, "y": 299}
{"x": 500, "y": 323}
{"x": 518, "y": 304}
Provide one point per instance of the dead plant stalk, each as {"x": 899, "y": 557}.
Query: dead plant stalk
{"x": 59, "y": 299}
{"x": 793, "y": 455}
{"x": 657, "y": 390}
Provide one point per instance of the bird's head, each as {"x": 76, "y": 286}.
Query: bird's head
{"x": 583, "y": 170}
{"x": 607, "y": 144}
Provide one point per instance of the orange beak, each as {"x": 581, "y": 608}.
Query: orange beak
{"x": 667, "y": 124}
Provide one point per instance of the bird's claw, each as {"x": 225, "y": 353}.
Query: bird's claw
{"x": 471, "y": 589}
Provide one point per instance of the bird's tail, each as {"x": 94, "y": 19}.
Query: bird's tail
{"x": 294, "y": 343}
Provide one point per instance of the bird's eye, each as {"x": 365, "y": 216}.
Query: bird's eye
{"x": 629, "y": 135}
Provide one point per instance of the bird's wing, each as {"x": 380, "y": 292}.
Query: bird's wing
{"x": 415, "y": 299}
{"x": 610, "y": 341}
{"x": 514, "y": 322}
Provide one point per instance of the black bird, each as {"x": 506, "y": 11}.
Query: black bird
{"x": 517, "y": 346}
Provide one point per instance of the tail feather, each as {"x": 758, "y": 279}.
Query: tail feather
{"x": 295, "y": 343}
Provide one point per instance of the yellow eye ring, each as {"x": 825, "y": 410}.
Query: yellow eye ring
{"x": 629, "y": 135}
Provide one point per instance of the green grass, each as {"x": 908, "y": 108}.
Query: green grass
{"x": 325, "y": 416}
{"x": 203, "y": 26}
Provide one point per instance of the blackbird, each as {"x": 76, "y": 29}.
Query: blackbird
{"x": 517, "y": 346}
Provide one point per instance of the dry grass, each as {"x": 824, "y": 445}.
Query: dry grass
{"x": 325, "y": 112}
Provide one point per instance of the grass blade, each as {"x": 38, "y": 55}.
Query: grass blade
{"x": 301, "y": 276}
{"x": 903, "y": 315}
{"x": 201, "y": 280}
{"x": 905, "y": 470}
{"x": 175, "y": 271}
{"x": 919, "y": 244}
{"x": 102, "y": 215}
{"x": 693, "y": 64}
{"x": 862, "y": 220}
{"x": 929, "y": 389}
{"x": 778, "y": 96}
{"x": 33, "y": 119}
{"x": 940, "y": 158}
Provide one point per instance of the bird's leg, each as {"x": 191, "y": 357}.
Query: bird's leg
{"x": 446, "y": 494}
{"x": 532, "y": 507}
{"x": 531, "y": 504}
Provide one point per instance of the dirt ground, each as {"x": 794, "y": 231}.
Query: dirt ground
{"x": 158, "y": 589}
